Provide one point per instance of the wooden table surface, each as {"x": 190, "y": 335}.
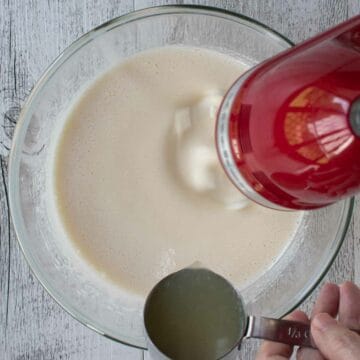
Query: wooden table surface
{"x": 32, "y": 34}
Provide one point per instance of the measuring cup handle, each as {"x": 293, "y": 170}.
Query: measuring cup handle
{"x": 283, "y": 331}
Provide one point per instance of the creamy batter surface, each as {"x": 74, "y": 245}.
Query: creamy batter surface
{"x": 138, "y": 186}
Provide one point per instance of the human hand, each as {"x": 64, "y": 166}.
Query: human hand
{"x": 333, "y": 338}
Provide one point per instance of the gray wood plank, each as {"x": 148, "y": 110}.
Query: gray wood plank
{"x": 353, "y": 7}
{"x": 33, "y": 326}
{"x": 296, "y": 19}
{"x": 33, "y": 33}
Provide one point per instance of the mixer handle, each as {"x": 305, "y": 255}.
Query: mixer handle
{"x": 355, "y": 117}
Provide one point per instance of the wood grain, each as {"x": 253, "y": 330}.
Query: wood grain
{"x": 32, "y": 35}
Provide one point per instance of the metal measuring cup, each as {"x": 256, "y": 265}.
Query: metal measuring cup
{"x": 196, "y": 314}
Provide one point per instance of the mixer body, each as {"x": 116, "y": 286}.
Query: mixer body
{"x": 288, "y": 131}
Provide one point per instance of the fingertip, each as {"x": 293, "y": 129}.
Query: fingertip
{"x": 322, "y": 322}
{"x": 349, "y": 287}
{"x": 330, "y": 289}
{"x": 329, "y": 286}
{"x": 328, "y": 300}
{"x": 346, "y": 285}
{"x": 349, "y": 309}
{"x": 298, "y": 315}
{"x": 308, "y": 353}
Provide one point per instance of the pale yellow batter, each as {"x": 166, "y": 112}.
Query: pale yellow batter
{"x": 138, "y": 186}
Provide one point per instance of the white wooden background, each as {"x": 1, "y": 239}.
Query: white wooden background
{"x": 32, "y": 34}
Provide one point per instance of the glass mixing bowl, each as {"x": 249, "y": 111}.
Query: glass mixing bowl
{"x": 60, "y": 269}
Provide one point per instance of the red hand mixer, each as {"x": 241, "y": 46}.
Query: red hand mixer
{"x": 288, "y": 131}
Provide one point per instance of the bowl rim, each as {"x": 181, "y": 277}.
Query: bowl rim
{"x": 13, "y": 168}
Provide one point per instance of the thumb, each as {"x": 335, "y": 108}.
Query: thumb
{"x": 333, "y": 340}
